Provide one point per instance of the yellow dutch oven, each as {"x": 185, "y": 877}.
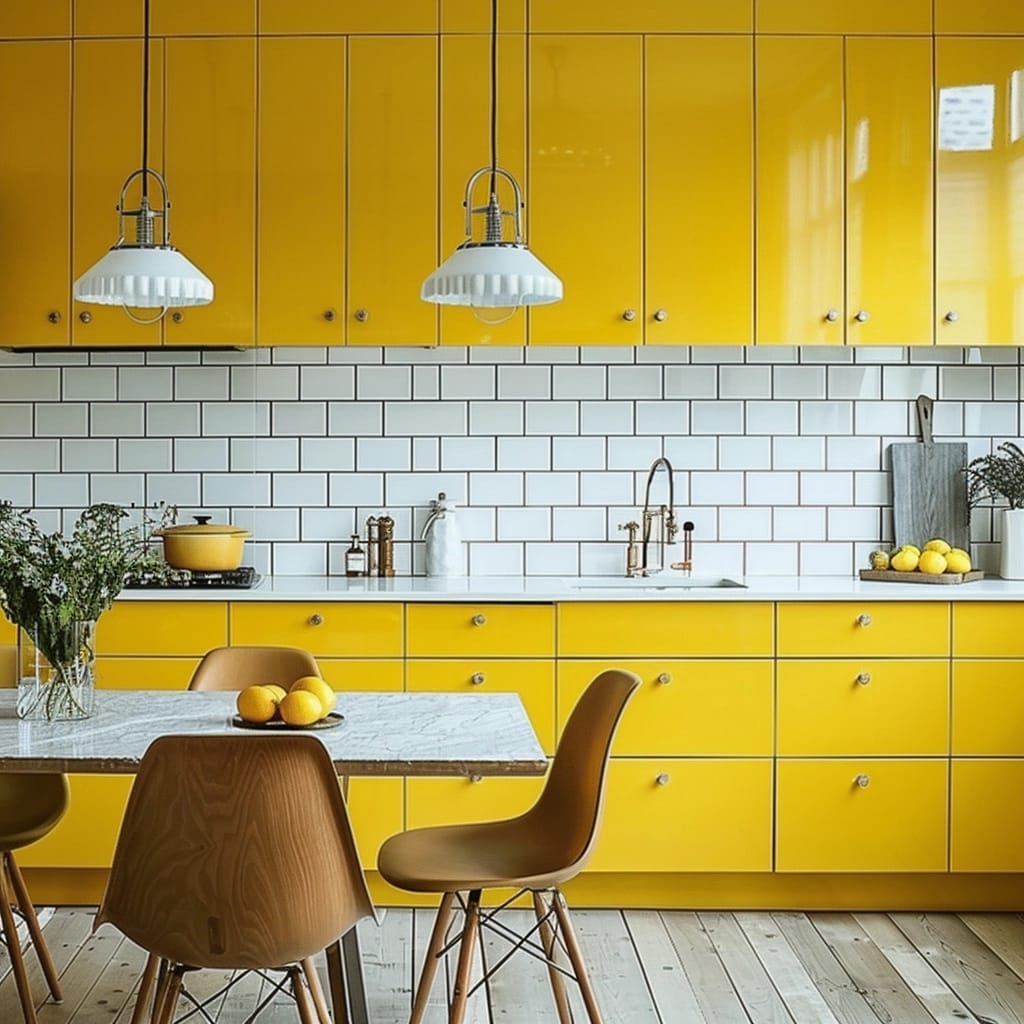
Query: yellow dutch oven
{"x": 203, "y": 546}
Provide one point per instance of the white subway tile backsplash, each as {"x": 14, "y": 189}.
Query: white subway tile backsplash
{"x": 552, "y": 418}
{"x": 745, "y": 524}
{"x": 745, "y": 453}
{"x": 716, "y": 417}
{"x": 772, "y": 559}
{"x": 89, "y": 383}
{"x": 497, "y": 489}
{"x": 775, "y": 417}
{"x": 384, "y": 453}
{"x": 145, "y": 384}
{"x": 551, "y": 354}
{"x": 356, "y": 488}
{"x": 853, "y": 453}
{"x": 202, "y": 383}
{"x": 306, "y": 490}
{"x": 524, "y": 453}
{"x": 579, "y": 382}
{"x": 495, "y": 418}
{"x": 853, "y": 523}
{"x": 718, "y": 354}
{"x": 468, "y": 453}
{"x": 719, "y": 488}
{"x": 604, "y": 418}
{"x": 552, "y": 488}
{"x": 832, "y": 488}
{"x": 992, "y": 418}
{"x": 524, "y": 382}
{"x": 330, "y": 383}
{"x": 604, "y": 488}
{"x": 327, "y": 453}
{"x": 266, "y": 454}
{"x": 798, "y": 452}
{"x": 327, "y": 524}
{"x": 830, "y": 559}
{"x": 798, "y": 382}
{"x": 235, "y": 419}
{"x": 859, "y": 382}
{"x": 606, "y": 355}
{"x": 391, "y": 383}
{"x": 1005, "y": 383}
{"x": 663, "y": 417}
{"x": 632, "y": 453}
{"x": 62, "y": 490}
{"x": 598, "y": 559}
{"x": 303, "y": 419}
{"x": 496, "y": 560}
{"x": 182, "y": 489}
{"x": 774, "y": 488}
{"x": 300, "y": 559}
{"x": 426, "y": 454}
{"x": 495, "y": 354}
{"x": 137, "y": 454}
{"x": 799, "y": 524}
{"x": 552, "y": 559}
{"x": 426, "y": 383}
{"x": 907, "y": 382}
{"x": 826, "y": 417}
{"x": 745, "y": 382}
{"x": 522, "y": 524}
{"x": 634, "y": 382}
{"x": 579, "y": 453}
{"x": 691, "y": 382}
{"x": 574, "y": 524}
{"x": 692, "y": 452}
{"x": 964, "y": 382}
{"x": 236, "y": 489}
{"x": 63, "y": 419}
{"x": 872, "y": 488}
{"x": 17, "y": 488}
{"x": 117, "y": 419}
{"x": 270, "y": 383}
{"x": 78, "y": 455}
{"x": 16, "y": 419}
{"x": 475, "y": 523}
{"x": 468, "y": 382}
{"x": 172, "y": 419}
{"x": 419, "y": 419}
{"x": 118, "y": 488}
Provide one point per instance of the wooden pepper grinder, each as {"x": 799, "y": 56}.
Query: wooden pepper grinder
{"x": 386, "y": 546}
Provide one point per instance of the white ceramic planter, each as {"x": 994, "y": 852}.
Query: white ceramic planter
{"x": 1011, "y": 556}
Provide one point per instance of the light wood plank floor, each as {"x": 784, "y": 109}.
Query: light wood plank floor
{"x": 647, "y": 966}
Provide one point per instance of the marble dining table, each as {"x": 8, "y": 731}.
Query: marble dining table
{"x": 379, "y": 733}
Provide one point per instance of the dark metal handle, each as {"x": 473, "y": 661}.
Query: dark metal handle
{"x": 924, "y": 418}
{"x": 202, "y": 520}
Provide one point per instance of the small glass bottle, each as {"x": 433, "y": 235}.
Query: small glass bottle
{"x": 355, "y": 558}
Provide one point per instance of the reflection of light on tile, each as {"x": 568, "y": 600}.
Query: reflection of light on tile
{"x": 861, "y": 148}
{"x": 1016, "y": 105}
{"x": 966, "y": 116}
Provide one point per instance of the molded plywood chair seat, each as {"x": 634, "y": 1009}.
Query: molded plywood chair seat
{"x": 536, "y": 852}
{"x": 30, "y": 806}
{"x": 234, "y": 668}
{"x": 235, "y": 853}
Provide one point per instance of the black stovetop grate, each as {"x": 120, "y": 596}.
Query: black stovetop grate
{"x": 241, "y": 578}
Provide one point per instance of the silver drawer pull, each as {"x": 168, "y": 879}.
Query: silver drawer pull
{"x": 664, "y": 679}
{"x": 862, "y": 781}
{"x": 476, "y": 777}
{"x": 663, "y": 779}
{"x": 863, "y": 678}
{"x": 479, "y": 620}
{"x": 477, "y": 679}
{"x": 316, "y": 619}
{"x": 864, "y": 619}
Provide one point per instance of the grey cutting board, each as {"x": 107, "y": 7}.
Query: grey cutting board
{"x": 929, "y": 487}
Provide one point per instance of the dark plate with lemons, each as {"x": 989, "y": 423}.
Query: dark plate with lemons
{"x": 329, "y": 721}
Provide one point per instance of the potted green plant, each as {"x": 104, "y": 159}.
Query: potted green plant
{"x": 54, "y": 588}
{"x": 997, "y": 478}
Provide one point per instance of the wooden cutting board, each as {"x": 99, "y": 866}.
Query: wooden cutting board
{"x": 929, "y": 487}
{"x": 948, "y": 578}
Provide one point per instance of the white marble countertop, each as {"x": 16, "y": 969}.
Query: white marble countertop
{"x": 672, "y": 586}
{"x": 380, "y": 734}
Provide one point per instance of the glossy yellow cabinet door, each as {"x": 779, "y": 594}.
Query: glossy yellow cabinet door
{"x": 979, "y": 183}
{"x": 301, "y": 241}
{"x": 40, "y": 20}
{"x": 643, "y": 16}
{"x": 988, "y": 709}
{"x": 201, "y": 18}
{"x": 144, "y": 673}
{"x": 331, "y": 629}
{"x": 474, "y": 630}
{"x": 586, "y": 208}
{"x": 986, "y": 832}
{"x": 988, "y": 629}
{"x": 392, "y": 185}
{"x": 457, "y": 801}
{"x": 35, "y": 127}
{"x": 698, "y": 190}
{"x": 472, "y": 16}
{"x": 884, "y": 629}
{"x": 849, "y": 17}
{"x": 376, "y": 808}
{"x": 980, "y": 17}
{"x": 165, "y": 628}
{"x": 211, "y": 173}
{"x": 311, "y": 17}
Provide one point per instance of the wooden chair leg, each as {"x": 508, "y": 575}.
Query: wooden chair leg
{"x": 470, "y": 931}
{"x": 10, "y": 929}
{"x": 336, "y": 982}
{"x": 145, "y": 990}
{"x": 167, "y": 995}
{"x": 576, "y": 957}
{"x": 29, "y": 913}
{"x": 547, "y": 938}
{"x": 301, "y": 996}
{"x": 441, "y": 922}
{"x": 316, "y": 990}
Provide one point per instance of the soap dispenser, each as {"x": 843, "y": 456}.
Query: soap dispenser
{"x": 444, "y": 545}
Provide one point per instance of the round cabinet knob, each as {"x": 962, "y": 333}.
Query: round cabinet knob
{"x": 664, "y": 678}
{"x": 85, "y": 316}
{"x": 862, "y": 316}
{"x": 362, "y": 315}
{"x": 476, "y": 777}
{"x": 660, "y": 315}
{"x": 864, "y": 619}
{"x": 862, "y": 781}
{"x": 832, "y": 315}
{"x": 177, "y": 317}
{"x": 53, "y": 316}
{"x": 479, "y": 620}
{"x": 629, "y": 314}
{"x": 951, "y": 317}
{"x": 329, "y": 315}
{"x": 863, "y": 678}
{"x": 316, "y": 619}
{"x": 477, "y": 679}
{"x": 663, "y": 779}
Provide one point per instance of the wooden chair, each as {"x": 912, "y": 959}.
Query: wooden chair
{"x": 536, "y": 852}
{"x": 30, "y": 806}
{"x": 234, "y": 668}
{"x": 235, "y": 853}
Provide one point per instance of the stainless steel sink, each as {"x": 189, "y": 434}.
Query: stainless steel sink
{"x": 645, "y": 583}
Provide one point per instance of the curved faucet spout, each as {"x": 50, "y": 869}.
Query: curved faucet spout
{"x": 665, "y": 513}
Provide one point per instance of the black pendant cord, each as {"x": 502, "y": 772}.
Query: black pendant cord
{"x": 494, "y": 95}
{"x": 145, "y": 103}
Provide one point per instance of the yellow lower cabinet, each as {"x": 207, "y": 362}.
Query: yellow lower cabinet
{"x": 485, "y": 630}
{"x": 879, "y": 629}
{"x": 988, "y": 629}
{"x": 861, "y": 815}
{"x": 8, "y": 653}
{"x": 165, "y": 628}
{"x": 863, "y": 707}
{"x": 988, "y": 709}
{"x": 987, "y": 831}
{"x": 686, "y": 815}
{"x": 376, "y": 810}
{"x": 144, "y": 673}
{"x": 457, "y": 801}
{"x": 693, "y": 708}
{"x": 534, "y": 681}
{"x": 85, "y": 837}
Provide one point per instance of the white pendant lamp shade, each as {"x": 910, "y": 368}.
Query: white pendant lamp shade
{"x": 478, "y": 274}
{"x": 148, "y": 277}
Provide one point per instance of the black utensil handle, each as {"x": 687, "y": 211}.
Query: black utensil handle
{"x": 924, "y": 418}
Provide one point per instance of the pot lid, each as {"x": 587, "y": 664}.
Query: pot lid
{"x": 202, "y": 527}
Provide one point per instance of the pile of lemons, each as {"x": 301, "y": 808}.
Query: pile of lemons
{"x": 305, "y": 702}
{"x": 935, "y": 558}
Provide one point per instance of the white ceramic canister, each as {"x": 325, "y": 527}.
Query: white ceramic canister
{"x": 444, "y": 545}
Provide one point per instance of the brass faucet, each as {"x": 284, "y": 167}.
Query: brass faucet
{"x": 665, "y": 514}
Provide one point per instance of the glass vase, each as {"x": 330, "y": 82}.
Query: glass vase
{"x": 57, "y": 671}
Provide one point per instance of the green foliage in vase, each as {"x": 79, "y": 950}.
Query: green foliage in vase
{"x": 997, "y": 477}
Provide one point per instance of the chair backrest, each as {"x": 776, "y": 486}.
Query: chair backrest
{"x": 235, "y": 852}
{"x": 568, "y": 813}
{"x": 234, "y": 668}
{"x": 30, "y": 806}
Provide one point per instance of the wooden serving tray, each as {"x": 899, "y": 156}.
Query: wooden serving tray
{"x": 276, "y": 725}
{"x": 948, "y": 578}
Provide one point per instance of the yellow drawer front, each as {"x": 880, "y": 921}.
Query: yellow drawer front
{"x": 458, "y": 801}
{"x": 701, "y": 816}
{"x": 890, "y": 629}
{"x": 376, "y": 808}
{"x": 335, "y": 629}
{"x": 987, "y": 832}
{"x": 144, "y": 673}
{"x": 534, "y": 681}
{"x": 623, "y": 630}
{"x": 85, "y": 837}
{"x": 8, "y": 632}
{"x": 988, "y": 630}
{"x": 863, "y": 708}
{"x": 162, "y": 627}
{"x": 689, "y": 708}
{"x": 988, "y": 708}
{"x": 471, "y": 630}
{"x": 362, "y": 674}
{"x": 825, "y": 821}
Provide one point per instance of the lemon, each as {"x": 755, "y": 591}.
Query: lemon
{"x": 315, "y": 685}
{"x": 958, "y": 561}
{"x": 938, "y": 544}
{"x": 905, "y": 560}
{"x": 278, "y": 691}
{"x": 932, "y": 563}
{"x": 256, "y": 704}
{"x": 911, "y": 547}
{"x": 300, "y": 707}
{"x": 879, "y": 559}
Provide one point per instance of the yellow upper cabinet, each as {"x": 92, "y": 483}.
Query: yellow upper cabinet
{"x": 586, "y": 208}
{"x": 465, "y": 148}
{"x": 202, "y": 18}
{"x": 300, "y": 251}
{"x": 42, "y": 19}
{"x": 846, "y": 17}
{"x": 642, "y": 16}
{"x": 35, "y": 133}
{"x": 332, "y": 17}
{"x": 983, "y": 17}
{"x": 392, "y": 188}
{"x": 210, "y": 141}
{"x": 475, "y": 16}
{"x": 698, "y": 190}
{"x": 979, "y": 191}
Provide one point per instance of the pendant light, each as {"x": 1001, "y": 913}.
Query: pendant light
{"x": 146, "y": 272}
{"x": 492, "y": 273}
